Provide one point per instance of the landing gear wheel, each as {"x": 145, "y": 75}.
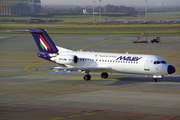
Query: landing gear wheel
{"x": 154, "y": 80}
{"x": 87, "y": 77}
{"x": 104, "y": 75}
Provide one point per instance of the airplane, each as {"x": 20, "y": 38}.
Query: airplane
{"x": 100, "y": 62}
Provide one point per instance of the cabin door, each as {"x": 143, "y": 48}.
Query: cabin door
{"x": 146, "y": 65}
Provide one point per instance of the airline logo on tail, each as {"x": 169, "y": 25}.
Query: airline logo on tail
{"x": 44, "y": 45}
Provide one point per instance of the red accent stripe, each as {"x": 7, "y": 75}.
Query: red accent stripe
{"x": 45, "y": 42}
{"x": 44, "y": 106}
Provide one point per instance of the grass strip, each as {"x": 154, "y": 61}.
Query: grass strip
{"x": 95, "y": 28}
{"x": 45, "y": 26}
{"x": 74, "y": 31}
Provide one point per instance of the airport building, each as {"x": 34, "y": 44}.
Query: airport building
{"x": 20, "y": 7}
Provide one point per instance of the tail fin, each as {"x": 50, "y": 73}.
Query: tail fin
{"x": 43, "y": 41}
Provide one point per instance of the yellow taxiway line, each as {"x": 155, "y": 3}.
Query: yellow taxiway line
{"x": 26, "y": 68}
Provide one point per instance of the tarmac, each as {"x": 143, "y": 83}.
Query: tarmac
{"x": 46, "y": 95}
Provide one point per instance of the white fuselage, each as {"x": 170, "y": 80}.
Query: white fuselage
{"x": 87, "y": 62}
{"x": 117, "y": 62}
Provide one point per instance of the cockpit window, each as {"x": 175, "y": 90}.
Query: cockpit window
{"x": 163, "y": 62}
{"x": 157, "y": 62}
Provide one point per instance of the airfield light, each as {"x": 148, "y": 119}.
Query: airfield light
{"x": 146, "y": 10}
{"x": 100, "y": 10}
{"x": 93, "y": 9}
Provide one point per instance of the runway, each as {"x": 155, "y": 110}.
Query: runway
{"x": 30, "y": 94}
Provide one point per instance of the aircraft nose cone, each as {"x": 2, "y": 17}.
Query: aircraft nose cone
{"x": 171, "y": 69}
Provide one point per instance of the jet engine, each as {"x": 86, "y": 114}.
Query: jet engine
{"x": 66, "y": 59}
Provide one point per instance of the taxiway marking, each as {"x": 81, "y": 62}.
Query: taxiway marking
{"x": 57, "y": 118}
{"x": 71, "y": 108}
{"x": 99, "y": 43}
{"x": 26, "y": 68}
{"x": 72, "y": 116}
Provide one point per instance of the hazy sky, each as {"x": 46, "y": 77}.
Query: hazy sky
{"x": 113, "y": 2}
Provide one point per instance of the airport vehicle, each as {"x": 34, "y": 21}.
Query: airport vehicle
{"x": 143, "y": 41}
{"x": 157, "y": 39}
{"x": 104, "y": 63}
{"x": 138, "y": 38}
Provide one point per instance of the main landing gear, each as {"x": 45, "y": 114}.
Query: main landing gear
{"x": 104, "y": 75}
{"x": 87, "y": 77}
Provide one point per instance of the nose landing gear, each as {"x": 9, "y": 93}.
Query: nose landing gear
{"x": 154, "y": 80}
{"x": 155, "y": 77}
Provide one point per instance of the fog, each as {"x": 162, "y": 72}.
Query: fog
{"x": 114, "y": 2}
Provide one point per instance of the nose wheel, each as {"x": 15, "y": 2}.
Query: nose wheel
{"x": 154, "y": 80}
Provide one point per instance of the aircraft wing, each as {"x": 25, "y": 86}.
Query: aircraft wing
{"x": 82, "y": 68}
